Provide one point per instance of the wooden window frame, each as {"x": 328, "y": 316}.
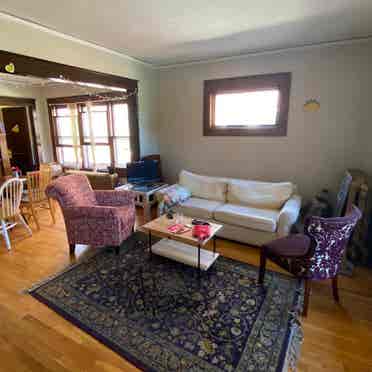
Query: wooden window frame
{"x": 281, "y": 81}
{"x": 101, "y": 98}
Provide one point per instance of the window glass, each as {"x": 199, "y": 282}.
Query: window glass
{"x": 246, "y": 109}
{"x": 121, "y": 120}
{"x": 122, "y": 152}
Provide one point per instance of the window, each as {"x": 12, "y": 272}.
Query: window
{"x": 92, "y": 135}
{"x": 65, "y": 120}
{"x": 246, "y": 106}
{"x": 121, "y": 136}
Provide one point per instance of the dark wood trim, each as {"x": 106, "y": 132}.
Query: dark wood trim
{"x": 26, "y": 65}
{"x": 133, "y": 126}
{"x": 244, "y": 84}
{"x": 81, "y": 137}
{"x": 85, "y": 98}
{"x": 16, "y": 101}
{"x": 53, "y": 132}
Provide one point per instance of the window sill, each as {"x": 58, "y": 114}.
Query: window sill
{"x": 270, "y": 131}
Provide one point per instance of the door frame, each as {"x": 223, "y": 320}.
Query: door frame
{"x": 30, "y": 106}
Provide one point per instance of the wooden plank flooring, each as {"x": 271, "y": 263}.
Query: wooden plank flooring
{"x": 34, "y": 338}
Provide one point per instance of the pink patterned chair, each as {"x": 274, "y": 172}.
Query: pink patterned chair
{"x": 98, "y": 218}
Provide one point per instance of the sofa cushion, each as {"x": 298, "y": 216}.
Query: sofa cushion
{"x": 211, "y": 188}
{"x": 253, "y": 218}
{"x": 199, "y": 208}
{"x": 259, "y": 194}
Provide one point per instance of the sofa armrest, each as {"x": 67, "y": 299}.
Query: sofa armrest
{"x": 288, "y": 215}
{"x": 170, "y": 196}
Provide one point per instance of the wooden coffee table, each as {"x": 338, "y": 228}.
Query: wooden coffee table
{"x": 184, "y": 247}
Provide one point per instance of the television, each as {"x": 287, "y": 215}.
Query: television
{"x": 143, "y": 172}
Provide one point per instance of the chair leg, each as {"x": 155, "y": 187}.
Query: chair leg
{"x": 33, "y": 212}
{"x": 306, "y": 297}
{"x": 261, "y": 275}
{"x": 6, "y": 235}
{"x": 117, "y": 250}
{"x": 24, "y": 223}
{"x": 335, "y": 289}
{"x": 51, "y": 208}
{"x": 72, "y": 249}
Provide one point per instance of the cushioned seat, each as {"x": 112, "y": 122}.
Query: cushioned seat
{"x": 291, "y": 246}
{"x": 254, "y": 218}
{"x": 199, "y": 208}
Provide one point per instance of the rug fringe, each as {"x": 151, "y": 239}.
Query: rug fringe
{"x": 294, "y": 346}
{"x": 295, "y": 334}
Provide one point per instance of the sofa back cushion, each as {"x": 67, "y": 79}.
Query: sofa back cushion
{"x": 259, "y": 194}
{"x": 205, "y": 187}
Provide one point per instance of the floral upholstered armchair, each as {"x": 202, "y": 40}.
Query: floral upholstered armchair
{"x": 98, "y": 218}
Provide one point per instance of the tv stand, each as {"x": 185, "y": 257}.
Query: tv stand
{"x": 144, "y": 195}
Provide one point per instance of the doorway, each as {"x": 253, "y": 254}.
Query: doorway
{"x": 17, "y": 115}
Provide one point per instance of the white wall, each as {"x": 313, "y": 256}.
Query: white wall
{"x": 319, "y": 145}
{"x": 23, "y": 39}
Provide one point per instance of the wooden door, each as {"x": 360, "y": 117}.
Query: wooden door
{"x": 18, "y": 138}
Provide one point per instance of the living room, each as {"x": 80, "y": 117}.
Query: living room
{"x": 256, "y": 190}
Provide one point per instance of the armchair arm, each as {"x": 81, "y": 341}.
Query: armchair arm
{"x": 288, "y": 215}
{"x": 114, "y": 198}
{"x": 94, "y": 212}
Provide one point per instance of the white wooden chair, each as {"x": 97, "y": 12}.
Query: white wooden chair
{"x": 10, "y": 200}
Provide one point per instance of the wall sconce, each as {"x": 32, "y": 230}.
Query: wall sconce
{"x": 312, "y": 105}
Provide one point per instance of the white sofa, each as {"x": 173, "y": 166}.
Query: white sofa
{"x": 252, "y": 212}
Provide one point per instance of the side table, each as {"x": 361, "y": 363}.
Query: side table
{"x": 144, "y": 196}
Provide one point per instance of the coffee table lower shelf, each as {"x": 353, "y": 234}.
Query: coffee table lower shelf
{"x": 184, "y": 253}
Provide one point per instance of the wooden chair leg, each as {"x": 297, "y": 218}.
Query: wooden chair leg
{"x": 24, "y": 223}
{"x": 261, "y": 275}
{"x": 306, "y": 297}
{"x": 117, "y": 250}
{"x": 72, "y": 249}
{"x": 33, "y": 212}
{"x": 335, "y": 289}
{"x": 51, "y": 208}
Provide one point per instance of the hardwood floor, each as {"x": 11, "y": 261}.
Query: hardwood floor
{"x": 34, "y": 338}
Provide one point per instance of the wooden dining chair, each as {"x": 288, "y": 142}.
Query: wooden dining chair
{"x": 35, "y": 198}
{"x": 10, "y": 200}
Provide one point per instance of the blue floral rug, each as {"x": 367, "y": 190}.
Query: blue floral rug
{"x": 158, "y": 315}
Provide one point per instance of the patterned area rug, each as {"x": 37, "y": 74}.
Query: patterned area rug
{"x": 158, "y": 315}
